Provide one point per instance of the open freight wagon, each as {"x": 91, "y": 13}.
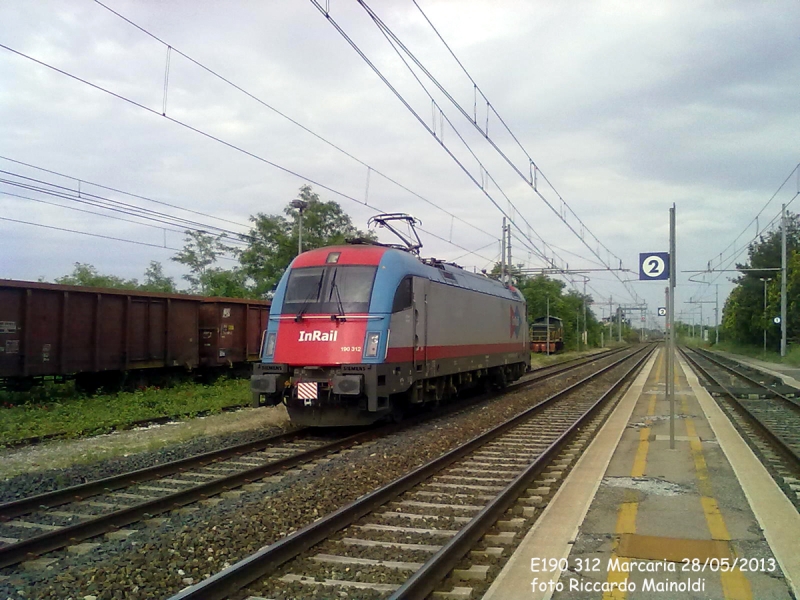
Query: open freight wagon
{"x": 101, "y": 336}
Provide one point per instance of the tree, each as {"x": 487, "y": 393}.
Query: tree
{"x": 156, "y": 281}
{"x": 87, "y": 275}
{"x": 200, "y": 251}
{"x": 273, "y": 238}
{"x": 540, "y": 289}
{"x": 744, "y": 317}
{"x": 513, "y": 272}
{"x": 226, "y": 283}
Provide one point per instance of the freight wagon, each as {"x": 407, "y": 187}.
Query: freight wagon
{"x": 231, "y": 330}
{"x": 102, "y": 337}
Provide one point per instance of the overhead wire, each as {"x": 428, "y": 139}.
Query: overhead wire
{"x": 531, "y": 182}
{"x": 221, "y": 141}
{"x": 755, "y": 219}
{"x": 721, "y": 268}
{"x": 91, "y": 212}
{"x": 392, "y": 41}
{"x": 492, "y": 243}
{"x": 119, "y": 191}
{"x": 762, "y": 230}
{"x": 370, "y": 168}
{"x": 97, "y": 235}
{"x": 565, "y": 251}
{"x": 84, "y": 197}
{"x": 528, "y": 242}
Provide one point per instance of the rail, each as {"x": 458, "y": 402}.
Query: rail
{"x": 786, "y": 450}
{"x": 268, "y": 559}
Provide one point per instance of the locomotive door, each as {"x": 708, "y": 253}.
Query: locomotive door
{"x": 420, "y": 288}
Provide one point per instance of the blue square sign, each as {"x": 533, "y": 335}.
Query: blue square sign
{"x": 654, "y": 266}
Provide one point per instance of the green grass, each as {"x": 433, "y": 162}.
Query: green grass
{"x": 697, "y": 342}
{"x": 62, "y": 412}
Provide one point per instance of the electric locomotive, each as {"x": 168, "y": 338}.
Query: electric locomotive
{"x": 366, "y": 331}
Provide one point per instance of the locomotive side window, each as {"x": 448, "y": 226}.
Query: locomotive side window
{"x": 403, "y": 297}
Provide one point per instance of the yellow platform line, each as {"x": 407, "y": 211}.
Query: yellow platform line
{"x": 626, "y": 520}
{"x": 735, "y": 585}
{"x": 626, "y": 514}
{"x": 640, "y": 460}
{"x": 659, "y": 374}
{"x": 716, "y": 524}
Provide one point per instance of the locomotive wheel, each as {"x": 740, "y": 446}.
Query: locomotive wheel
{"x": 397, "y": 414}
{"x": 439, "y": 391}
{"x": 399, "y": 407}
{"x": 500, "y": 378}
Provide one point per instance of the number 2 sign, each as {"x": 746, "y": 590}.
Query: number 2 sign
{"x": 654, "y": 266}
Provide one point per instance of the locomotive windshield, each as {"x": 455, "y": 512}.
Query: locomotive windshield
{"x": 334, "y": 289}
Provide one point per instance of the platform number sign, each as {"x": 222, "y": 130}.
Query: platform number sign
{"x": 662, "y": 311}
{"x": 654, "y": 266}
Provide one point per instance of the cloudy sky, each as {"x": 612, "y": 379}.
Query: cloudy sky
{"x": 624, "y": 107}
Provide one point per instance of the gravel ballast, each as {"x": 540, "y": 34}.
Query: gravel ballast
{"x": 24, "y": 471}
{"x": 161, "y": 559}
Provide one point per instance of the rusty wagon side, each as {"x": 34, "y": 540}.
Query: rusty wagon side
{"x": 49, "y": 330}
{"x": 231, "y": 330}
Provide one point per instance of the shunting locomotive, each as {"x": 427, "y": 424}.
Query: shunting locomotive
{"x": 547, "y": 335}
{"x": 366, "y": 331}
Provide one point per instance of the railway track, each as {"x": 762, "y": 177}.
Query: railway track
{"x": 405, "y": 538}
{"x": 50, "y": 521}
{"x": 46, "y": 522}
{"x": 764, "y": 411}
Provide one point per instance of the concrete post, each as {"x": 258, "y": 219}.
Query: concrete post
{"x": 784, "y": 274}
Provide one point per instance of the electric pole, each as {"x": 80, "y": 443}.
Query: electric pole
{"x": 783, "y": 280}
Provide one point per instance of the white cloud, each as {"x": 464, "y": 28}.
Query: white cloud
{"x": 627, "y": 108}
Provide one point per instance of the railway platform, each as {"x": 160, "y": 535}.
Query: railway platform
{"x": 789, "y": 374}
{"x": 636, "y": 519}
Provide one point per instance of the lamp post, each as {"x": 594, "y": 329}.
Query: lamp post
{"x": 300, "y": 205}
{"x": 765, "y": 280}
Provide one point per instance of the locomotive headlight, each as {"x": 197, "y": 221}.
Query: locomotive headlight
{"x": 371, "y": 344}
{"x": 269, "y": 349}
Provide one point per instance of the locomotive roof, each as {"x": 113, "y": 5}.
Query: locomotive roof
{"x": 408, "y": 264}
{"x": 543, "y": 320}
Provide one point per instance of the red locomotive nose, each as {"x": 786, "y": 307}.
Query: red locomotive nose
{"x": 318, "y": 340}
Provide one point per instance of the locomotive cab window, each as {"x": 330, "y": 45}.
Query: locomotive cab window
{"x": 304, "y": 285}
{"x": 331, "y": 289}
{"x": 404, "y": 296}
